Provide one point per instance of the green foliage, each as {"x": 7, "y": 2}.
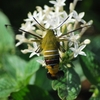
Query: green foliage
{"x": 32, "y": 92}
{"x": 7, "y": 84}
{"x": 13, "y": 65}
{"x": 91, "y": 67}
{"x": 94, "y": 98}
{"x": 20, "y": 94}
{"x": 42, "y": 80}
{"x": 31, "y": 67}
{"x": 9, "y": 80}
{"x": 15, "y": 74}
{"x": 96, "y": 94}
{"x": 68, "y": 87}
{"x": 94, "y": 46}
{"x": 6, "y": 38}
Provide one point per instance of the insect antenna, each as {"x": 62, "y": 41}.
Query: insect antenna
{"x": 39, "y": 23}
{"x": 61, "y": 23}
{"x": 16, "y": 29}
{"x": 73, "y": 30}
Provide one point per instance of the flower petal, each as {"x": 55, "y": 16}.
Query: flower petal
{"x": 81, "y": 15}
{"x": 82, "y": 53}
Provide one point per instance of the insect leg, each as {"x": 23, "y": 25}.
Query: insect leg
{"x": 61, "y": 48}
{"x": 38, "y": 49}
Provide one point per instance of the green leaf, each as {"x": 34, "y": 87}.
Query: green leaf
{"x": 20, "y": 94}
{"x": 94, "y": 98}
{"x": 42, "y": 80}
{"x": 11, "y": 78}
{"x": 94, "y": 46}
{"x": 91, "y": 67}
{"x": 7, "y": 84}
{"x": 96, "y": 93}
{"x": 15, "y": 73}
{"x": 20, "y": 69}
{"x": 69, "y": 86}
{"x": 14, "y": 65}
{"x": 6, "y": 38}
{"x": 32, "y": 92}
{"x": 31, "y": 67}
{"x": 3, "y": 98}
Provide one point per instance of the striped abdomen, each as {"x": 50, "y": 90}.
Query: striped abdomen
{"x": 50, "y": 45}
{"x": 51, "y": 57}
{"x": 52, "y": 62}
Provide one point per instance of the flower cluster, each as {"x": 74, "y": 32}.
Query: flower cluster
{"x": 51, "y": 18}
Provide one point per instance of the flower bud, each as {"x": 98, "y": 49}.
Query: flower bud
{"x": 87, "y": 41}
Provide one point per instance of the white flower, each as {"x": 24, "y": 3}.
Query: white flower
{"x": 21, "y": 39}
{"x": 51, "y": 22}
{"x": 40, "y": 15}
{"x": 79, "y": 16}
{"x": 30, "y": 17}
{"x": 47, "y": 10}
{"x": 31, "y": 50}
{"x": 73, "y": 39}
{"x": 78, "y": 50}
{"x": 42, "y": 62}
{"x": 27, "y": 27}
{"x": 54, "y": 18}
{"x": 86, "y": 41}
{"x": 58, "y": 3}
{"x": 89, "y": 23}
{"x": 71, "y": 7}
{"x": 70, "y": 19}
{"x": 86, "y": 26}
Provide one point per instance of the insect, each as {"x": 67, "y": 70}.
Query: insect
{"x": 50, "y": 46}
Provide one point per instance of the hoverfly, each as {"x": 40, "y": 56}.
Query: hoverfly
{"x": 50, "y": 46}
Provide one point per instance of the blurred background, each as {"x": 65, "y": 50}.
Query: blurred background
{"x": 17, "y": 10}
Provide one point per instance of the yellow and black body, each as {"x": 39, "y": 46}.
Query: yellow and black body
{"x": 50, "y": 46}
